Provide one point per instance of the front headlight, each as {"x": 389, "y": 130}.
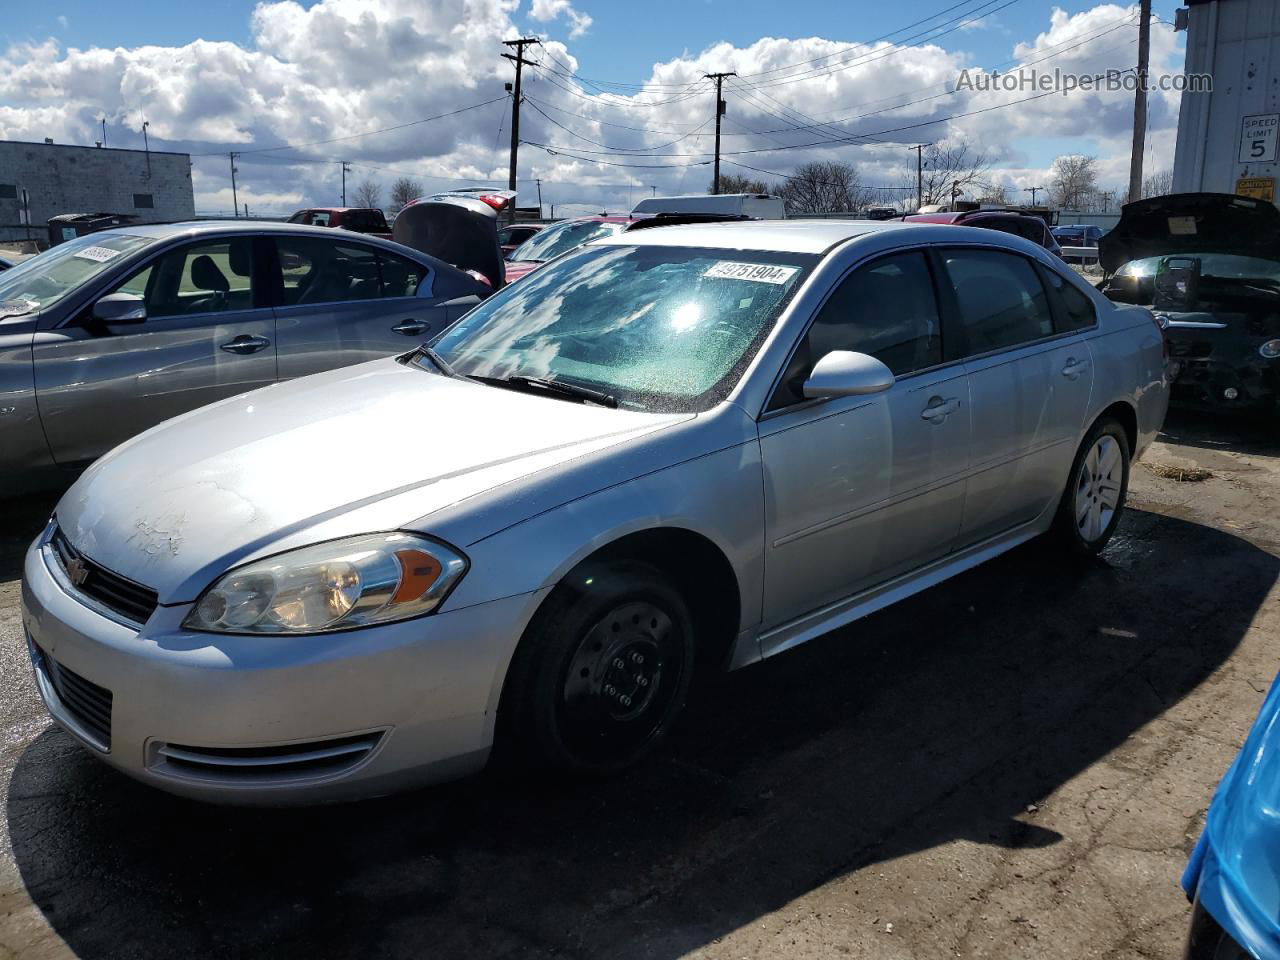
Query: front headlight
{"x": 331, "y": 586}
{"x": 1270, "y": 349}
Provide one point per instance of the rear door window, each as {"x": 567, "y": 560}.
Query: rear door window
{"x": 1001, "y": 301}
{"x": 317, "y": 270}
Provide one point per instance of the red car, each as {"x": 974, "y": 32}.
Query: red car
{"x": 512, "y": 235}
{"x": 368, "y": 220}
{"x": 1019, "y": 224}
{"x": 558, "y": 238}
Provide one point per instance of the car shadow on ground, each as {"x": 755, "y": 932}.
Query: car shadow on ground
{"x": 21, "y": 518}
{"x": 937, "y": 719}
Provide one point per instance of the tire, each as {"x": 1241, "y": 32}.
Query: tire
{"x": 601, "y": 673}
{"x": 1096, "y": 489}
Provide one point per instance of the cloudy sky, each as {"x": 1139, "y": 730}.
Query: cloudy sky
{"x": 616, "y": 105}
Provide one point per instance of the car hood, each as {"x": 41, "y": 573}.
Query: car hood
{"x": 460, "y": 228}
{"x": 356, "y": 450}
{"x": 1184, "y": 223}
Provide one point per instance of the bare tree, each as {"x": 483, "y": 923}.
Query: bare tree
{"x": 735, "y": 183}
{"x": 1158, "y": 184}
{"x": 404, "y": 190}
{"x": 994, "y": 192}
{"x": 824, "y": 186}
{"x": 1073, "y": 182}
{"x": 950, "y": 170}
{"x": 369, "y": 193}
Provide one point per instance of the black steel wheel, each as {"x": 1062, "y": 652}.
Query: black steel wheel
{"x": 602, "y": 672}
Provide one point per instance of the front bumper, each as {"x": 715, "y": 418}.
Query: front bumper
{"x": 1226, "y": 923}
{"x": 252, "y": 719}
{"x": 1219, "y": 369}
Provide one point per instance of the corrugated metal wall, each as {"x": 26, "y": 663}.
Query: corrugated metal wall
{"x": 1236, "y": 42}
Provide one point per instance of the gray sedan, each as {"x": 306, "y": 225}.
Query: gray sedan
{"x": 111, "y": 333}
{"x": 673, "y": 451}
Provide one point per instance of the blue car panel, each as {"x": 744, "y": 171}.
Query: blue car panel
{"x": 1234, "y": 870}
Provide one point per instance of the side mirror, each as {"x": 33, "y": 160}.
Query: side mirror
{"x": 843, "y": 373}
{"x": 120, "y": 308}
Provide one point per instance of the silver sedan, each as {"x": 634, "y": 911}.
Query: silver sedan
{"x": 108, "y": 334}
{"x": 674, "y": 451}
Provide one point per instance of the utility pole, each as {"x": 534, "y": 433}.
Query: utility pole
{"x": 104, "y": 131}
{"x": 719, "y": 79}
{"x": 538, "y": 181}
{"x": 1140, "y": 102}
{"x": 519, "y": 61}
{"x": 1033, "y": 191}
{"x": 146, "y": 146}
{"x": 919, "y": 149}
{"x": 235, "y": 203}
{"x": 345, "y": 167}
{"x": 654, "y": 188}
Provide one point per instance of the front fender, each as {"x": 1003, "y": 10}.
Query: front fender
{"x": 719, "y": 495}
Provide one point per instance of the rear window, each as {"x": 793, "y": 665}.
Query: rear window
{"x": 563, "y": 237}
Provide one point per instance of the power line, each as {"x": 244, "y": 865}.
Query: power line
{"x": 357, "y": 136}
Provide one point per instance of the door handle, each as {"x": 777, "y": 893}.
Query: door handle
{"x": 246, "y": 344}
{"x": 411, "y": 328}
{"x": 939, "y": 409}
{"x": 1074, "y": 368}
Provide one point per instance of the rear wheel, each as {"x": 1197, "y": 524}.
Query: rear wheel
{"x": 1094, "y": 498}
{"x": 602, "y": 672}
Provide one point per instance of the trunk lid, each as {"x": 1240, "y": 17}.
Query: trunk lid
{"x": 459, "y": 227}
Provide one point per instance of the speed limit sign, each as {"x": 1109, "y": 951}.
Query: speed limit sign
{"x": 1258, "y": 138}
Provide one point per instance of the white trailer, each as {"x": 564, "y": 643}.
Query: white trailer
{"x": 1229, "y": 137}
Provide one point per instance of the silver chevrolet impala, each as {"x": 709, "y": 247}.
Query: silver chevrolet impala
{"x": 673, "y": 451}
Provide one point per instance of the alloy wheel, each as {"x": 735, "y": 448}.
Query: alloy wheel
{"x": 1098, "y": 488}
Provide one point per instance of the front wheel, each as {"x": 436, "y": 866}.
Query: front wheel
{"x": 1094, "y": 498}
{"x": 602, "y": 672}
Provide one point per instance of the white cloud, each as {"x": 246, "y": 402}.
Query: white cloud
{"x": 62, "y": 21}
{"x": 544, "y": 10}
{"x": 344, "y": 67}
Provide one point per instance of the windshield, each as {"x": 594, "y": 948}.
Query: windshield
{"x": 658, "y": 328}
{"x": 45, "y": 279}
{"x": 1222, "y": 265}
{"x": 550, "y": 243}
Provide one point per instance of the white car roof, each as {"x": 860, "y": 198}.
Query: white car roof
{"x": 782, "y": 236}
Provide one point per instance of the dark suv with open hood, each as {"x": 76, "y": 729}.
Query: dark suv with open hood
{"x": 1208, "y": 265}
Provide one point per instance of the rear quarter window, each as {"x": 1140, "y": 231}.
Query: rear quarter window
{"x": 1075, "y": 310}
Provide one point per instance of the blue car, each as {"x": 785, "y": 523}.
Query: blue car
{"x": 1233, "y": 876}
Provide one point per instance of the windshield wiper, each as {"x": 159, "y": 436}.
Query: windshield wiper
{"x": 558, "y": 388}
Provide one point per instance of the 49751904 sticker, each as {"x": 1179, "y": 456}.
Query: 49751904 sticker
{"x": 97, "y": 254}
{"x": 759, "y": 272}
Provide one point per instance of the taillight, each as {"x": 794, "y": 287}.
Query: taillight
{"x": 495, "y": 200}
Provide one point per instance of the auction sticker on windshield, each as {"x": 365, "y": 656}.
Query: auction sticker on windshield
{"x": 759, "y": 272}
{"x": 97, "y": 254}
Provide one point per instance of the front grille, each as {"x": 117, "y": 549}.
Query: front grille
{"x": 88, "y": 703}
{"x": 265, "y": 765}
{"x": 131, "y": 600}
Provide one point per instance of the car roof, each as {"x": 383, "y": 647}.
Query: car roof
{"x": 783, "y": 236}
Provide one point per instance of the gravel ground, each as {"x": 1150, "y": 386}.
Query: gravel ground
{"x": 1014, "y": 764}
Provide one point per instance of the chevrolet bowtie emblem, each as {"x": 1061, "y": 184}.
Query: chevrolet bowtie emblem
{"x": 77, "y": 572}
